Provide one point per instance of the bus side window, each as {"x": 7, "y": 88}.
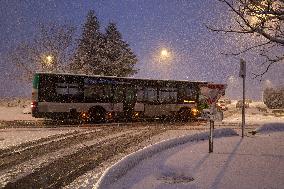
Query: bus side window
{"x": 187, "y": 93}
{"x": 47, "y": 87}
{"x": 67, "y": 92}
{"x": 151, "y": 95}
{"x": 61, "y": 88}
{"x": 97, "y": 93}
{"x": 73, "y": 89}
{"x": 118, "y": 93}
{"x": 140, "y": 95}
{"x": 191, "y": 93}
{"x": 167, "y": 95}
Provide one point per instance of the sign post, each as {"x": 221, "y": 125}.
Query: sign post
{"x": 243, "y": 75}
{"x": 212, "y": 93}
{"x": 211, "y": 136}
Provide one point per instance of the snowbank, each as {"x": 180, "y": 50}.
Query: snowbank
{"x": 271, "y": 127}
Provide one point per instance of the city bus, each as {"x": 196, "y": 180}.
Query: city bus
{"x": 99, "y": 98}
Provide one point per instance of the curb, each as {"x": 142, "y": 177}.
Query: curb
{"x": 113, "y": 173}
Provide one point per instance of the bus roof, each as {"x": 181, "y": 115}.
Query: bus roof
{"x": 127, "y": 78}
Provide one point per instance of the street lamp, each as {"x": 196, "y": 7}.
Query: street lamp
{"x": 49, "y": 59}
{"x": 48, "y": 62}
{"x": 165, "y": 54}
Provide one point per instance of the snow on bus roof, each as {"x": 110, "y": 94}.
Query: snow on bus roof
{"x": 133, "y": 78}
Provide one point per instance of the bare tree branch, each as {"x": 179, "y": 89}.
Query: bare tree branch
{"x": 262, "y": 17}
{"x": 248, "y": 49}
{"x": 49, "y": 49}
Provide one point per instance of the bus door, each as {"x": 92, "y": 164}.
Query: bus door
{"x": 129, "y": 101}
{"x": 152, "y": 107}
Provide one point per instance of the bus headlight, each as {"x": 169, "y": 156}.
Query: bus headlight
{"x": 136, "y": 114}
{"x": 109, "y": 115}
{"x": 194, "y": 111}
{"x": 84, "y": 115}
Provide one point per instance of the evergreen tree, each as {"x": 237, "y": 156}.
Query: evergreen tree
{"x": 88, "y": 58}
{"x": 100, "y": 54}
{"x": 118, "y": 59}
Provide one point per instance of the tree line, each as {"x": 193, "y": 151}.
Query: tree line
{"x": 54, "y": 48}
{"x": 273, "y": 98}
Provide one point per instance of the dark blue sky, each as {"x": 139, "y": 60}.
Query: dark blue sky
{"x": 148, "y": 26}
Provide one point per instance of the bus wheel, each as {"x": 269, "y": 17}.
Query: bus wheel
{"x": 97, "y": 115}
{"x": 184, "y": 114}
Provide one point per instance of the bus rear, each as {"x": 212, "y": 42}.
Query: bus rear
{"x": 35, "y": 89}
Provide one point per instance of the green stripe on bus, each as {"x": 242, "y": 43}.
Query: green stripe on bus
{"x": 36, "y": 81}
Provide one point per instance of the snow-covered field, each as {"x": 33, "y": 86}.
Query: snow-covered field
{"x": 15, "y": 113}
{"x": 15, "y": 109}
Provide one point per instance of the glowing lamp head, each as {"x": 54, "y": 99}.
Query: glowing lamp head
{"x": 164, "y": 53}
{"x": 48, "y": 59}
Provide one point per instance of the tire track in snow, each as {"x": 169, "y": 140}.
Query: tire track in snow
{"x": 43, "y": 147}
{"x": 64, "y": 170}
{"x": 26, "y": 168}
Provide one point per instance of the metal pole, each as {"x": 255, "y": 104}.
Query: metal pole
{"x": 211, "y": 136}
{"x": 243, "y": 108}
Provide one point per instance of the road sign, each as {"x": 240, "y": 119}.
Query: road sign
{"x": 211, "y": 114}
{"x": 212, "y": 93}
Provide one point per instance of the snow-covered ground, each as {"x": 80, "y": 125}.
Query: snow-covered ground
{"x": 250, "y": 162}
{"x": 186, "y": 165}
{"x": 256, "y": 161}
{"x": 15, "y": 109}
